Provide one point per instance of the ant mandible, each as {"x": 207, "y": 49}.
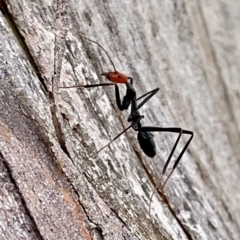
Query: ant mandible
{"x": 145, "y": 136}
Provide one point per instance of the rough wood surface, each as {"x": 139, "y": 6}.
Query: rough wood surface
{"x": 52, "y": 185}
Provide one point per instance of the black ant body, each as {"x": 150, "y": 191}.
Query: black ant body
{"x": 145, "y": 136}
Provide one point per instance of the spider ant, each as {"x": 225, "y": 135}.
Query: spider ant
{"x": 145, "y": 136}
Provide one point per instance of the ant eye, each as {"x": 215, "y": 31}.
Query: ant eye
{"x": 119, "y": 76}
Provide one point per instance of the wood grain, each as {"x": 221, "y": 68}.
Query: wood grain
{"x": 53, "y": 186}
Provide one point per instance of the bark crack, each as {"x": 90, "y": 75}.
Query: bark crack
{"x": 19, "y": 193}
{"x": 20, "y": 39}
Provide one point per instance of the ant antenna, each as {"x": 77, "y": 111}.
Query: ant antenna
{"x": 82, "y": 35}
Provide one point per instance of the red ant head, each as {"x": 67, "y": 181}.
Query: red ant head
{"x": 115, "y": 77}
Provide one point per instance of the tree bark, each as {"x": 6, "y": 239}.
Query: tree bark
{"x": 53, "y": 185}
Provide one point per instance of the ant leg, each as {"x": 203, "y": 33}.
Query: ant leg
{"x": 111, "y": 141}
{"x": 128, "y": 98}
{"x": 155, "y": 188}
{"x": 150, "y": 93}
{"x": 180, "y": 155}
{"x": 134, "y": 109}
{"x": 138, "y": 120}
{"x": 163, "y": 171}
{"x": 173, "y": 130}
{"x": 171, "y": 153}
{"x": 118, "y": 99}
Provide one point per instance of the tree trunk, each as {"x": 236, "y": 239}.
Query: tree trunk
{"x": 53, "y": 184}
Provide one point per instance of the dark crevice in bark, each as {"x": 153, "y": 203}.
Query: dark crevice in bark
{"x": 121, "y": 220}
{"x": 22, "y": 200}
{"x": 96, "y": 225}
{"x": 20, "y": 39}
{"x": 85, "y": 211}
{"x": 57, "y": 126}
{"x": 165, "y": 199}
{"x": 3, "y": 7}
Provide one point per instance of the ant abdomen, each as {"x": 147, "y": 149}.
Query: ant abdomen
{"x": 147, "y": 144}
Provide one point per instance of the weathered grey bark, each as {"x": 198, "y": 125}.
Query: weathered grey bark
{"x": 52, "y": 185}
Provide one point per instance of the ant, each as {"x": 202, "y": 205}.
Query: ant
{"x": 144, "y": 135}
